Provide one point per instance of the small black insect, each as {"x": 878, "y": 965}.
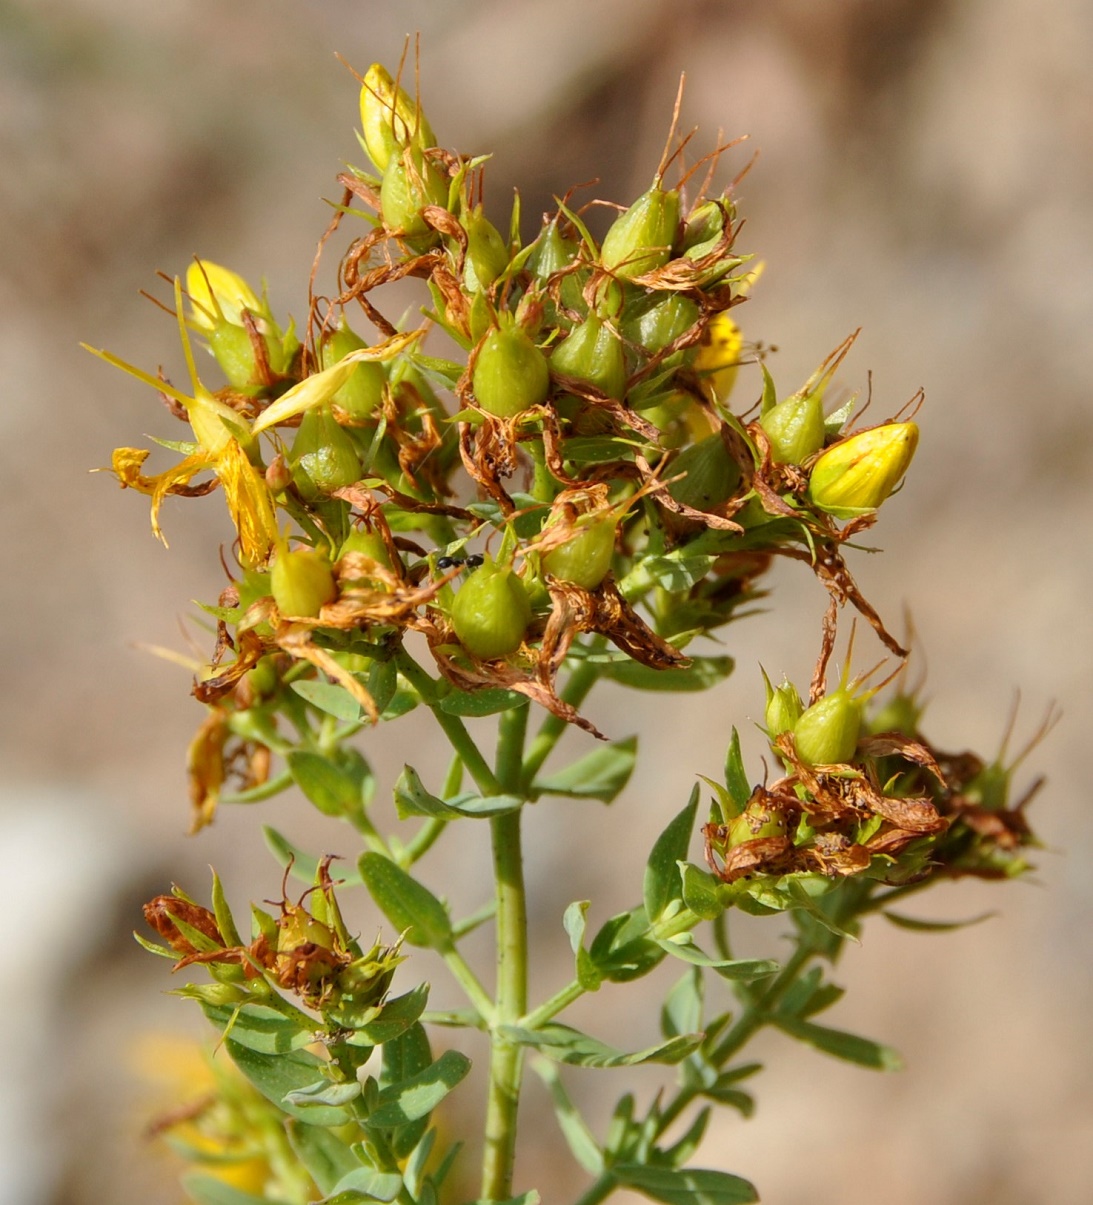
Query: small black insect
{"x": 445, "y": 563}
{"x": 475, "y": 559}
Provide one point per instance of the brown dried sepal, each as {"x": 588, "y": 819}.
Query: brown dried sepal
{"x": 163, "y": 913}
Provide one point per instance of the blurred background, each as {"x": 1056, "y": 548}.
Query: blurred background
{"x": 924, "y": 171}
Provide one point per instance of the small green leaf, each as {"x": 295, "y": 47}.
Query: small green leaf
{"x": 563, "y": 1044}
{"x": 701, "y": 674}
{"x": 686, "y": 1186}
{"x": 305, "y": 865}
{"x": 276, "y": 1075}
{"x": 848, "y": 1046}
{"x": 701, "y": 892}
{"x": 474, "y": 703}
{"x": 934, "y": 926}
{"x": 525, "y": 1198}
{"x": 326, "y": 1157}
{"x": 736, "y": 777}
{"x": 327, "y": 786}
{"x": 684, "y": 948}
{"x": 408, "y": 905}
{"x": 678, "y": 570}
{"x": 682, "y": 1009}
{"x": 418, "y": 1096}
{"x": 365, "y": 1184}
{"x": 330, "y": 698}
{"x": 323, "y": 1092}
{"x": 207, "y": 1190}
{"x": 382, "y": 684}
{"x": 662, "y": 882}
{"x": 574, "y": 921}
{"x": 623, "y": 949}
{"x": 393, "y": 1019}
{"x": 224, "y": 920}
{"x": 412, "y": 799}
{"x": 601, "y": 774}
{"x": 405, "y": 1057}
{"x": 259, "y": 1027}
{"x": 578, "y": 1136}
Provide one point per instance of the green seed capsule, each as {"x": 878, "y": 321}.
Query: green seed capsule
{"x": 301, "y": 582}
{"x": 827, "y": 732}
{"x": 704, "y": 228}
{"x": 592, "y": 352}
{"x": 390, "y": 120}
{"x": 660, "y": 320}
{"x": 640, "y": 240}
{"x": 585, "y": 558}
{"x": 487, "y": 251}
{"x": 755, "y": 821}
{"x": 712, "y": 475}
{"x": 551, "y": 252}
{"x": 784, "y": 707}
{"x": 363, "y": 392}
{"x": 795, "y": 428}
{"x": 491, "y": 612}
{"x": 411, "y": 182}
{"x": 370, "y": 543}
{"x": 510, "y": 374}
{"x": 324, "y": 457}
{"x": 855, "y": 475}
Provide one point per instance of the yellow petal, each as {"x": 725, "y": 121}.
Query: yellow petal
{"x": 249, "y": 503}
{"x": 127, "y": 462}
{"x": 217, "y": 292}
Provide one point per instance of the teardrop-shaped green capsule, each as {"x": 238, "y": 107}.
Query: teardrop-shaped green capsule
{"x": 827, "y": 732}
{"x": 795, "y": 428}
{"x": 659, "y": 320}
{"x": 510, "y": 373}
{"x": 411, "y": 182}
{"x": 324, "y": 457}
{"x": 641, "y": 239}
{"x": 784, "y": 707}
{"x": 491, "y": 612}
{"x": 585, "y": 557}
{"x": 592, "y": 352}
{"x": 487, "y": 251}
{"x": 301, "y": 582}
{"x": 363, "y": 392}
{"x": 758, "y": 819}
{"x": 711, "y": 474}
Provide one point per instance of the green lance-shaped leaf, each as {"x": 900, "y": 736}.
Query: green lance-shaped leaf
{"x": 260, "y": 1027}
{"x": 601, "y": 774}
{"x": 685, "y": 1186}
{"x": 700, "y": 674}
{"x": 333, "y": 791}
{"x": 563, "y": 1044}
{"x": 365, "y": 1186}
{"x": 623, "y": 948}
{"x": 684, "y": 948}
{"x": 207, "y": 1190}
{"x": 404, "y": 1058}
{"x": 420, "y": 1094}
{"x": 736, "y": 777}
{"x": 277, "y": 1075}
{"x": 412, "y": 799}
{"x": 701, "y": 892}
{"x": 481, "y": 702}
{"x": 848, "y": 1046}
{"x": 588, "y": 976}
{"x": 682, "y": 1009}
{"x": 662, "y": 882}
{"x": 393, "y": 1019}
{"x": 408, "y": 905}
{"x": 579, "y": 1138}
{"x": 326, "y": 1157}
{"x": 323, "y": 1093}
{"x": 331, "y": 699}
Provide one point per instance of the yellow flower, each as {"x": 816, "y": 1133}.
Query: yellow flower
{"x": 854, "y": 476}
{"x": 219, "y": 295}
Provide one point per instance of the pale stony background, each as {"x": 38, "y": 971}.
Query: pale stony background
{"x": 925, "y": 171}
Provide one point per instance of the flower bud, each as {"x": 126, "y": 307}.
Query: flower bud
{"x": 640, "y": 240}
{"x": 718, "y": 356}
{"x": 510, "y": 373}
{"x": 795, "y": 428}
{"x": 827, "y": 732}
{"x": 585, "y": 557}
{"x": 705, "y": 227}
{"x": 592, "y": 352}
{"x": 324, "y": 457}
{"x": 301, "y": 582}
{"x": 487, "y": 251}
{"x": 363, "y": 392}
{"x": 411, "y": 182}
{"x": 855, "y": 475}
{"x": 219, "y": 295}
{"x": 491, "y": 612}
{"x": 390, "y": 120}
{"x": 712, "y": 475}
{"x": 784, "y": 707}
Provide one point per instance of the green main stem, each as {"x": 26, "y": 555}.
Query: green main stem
{"x": 506, "y": 1057}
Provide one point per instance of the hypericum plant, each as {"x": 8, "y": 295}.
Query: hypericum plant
{"x": 557, "y": 494}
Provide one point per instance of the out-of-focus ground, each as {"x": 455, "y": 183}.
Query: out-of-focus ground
{"x": 924, "y": 172}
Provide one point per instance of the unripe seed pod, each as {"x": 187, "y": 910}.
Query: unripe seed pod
{"x": 491, "y": 612}
{"x": 487, "y": 251}
{"x": 301, "y": 582}
{"x": 640, "y": 240}
{"x": 704, "y": 228}
{"x": 370, "y": 543}
{"x": 411, "y": 182}
{"x": 784, "y": 708}
{"x": 795, "y": 428}
{"x": 755, "y": 821}
{"x": 827, "y": 732}
{"x": 718, "y": 356}
{"x": 658, "y": 323}
{"x": 324, "y": 457}
{"x": 855, "y": 475}
{"x": 390, "y": 120}
{"x": 363, "y": 392}
{"x": 551, "y": 252}
{"x": 592, "y": 352}
{"x": 510, "y": 374}
{"x": 712, "y": 475}
{"x": 585, "y": 557}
